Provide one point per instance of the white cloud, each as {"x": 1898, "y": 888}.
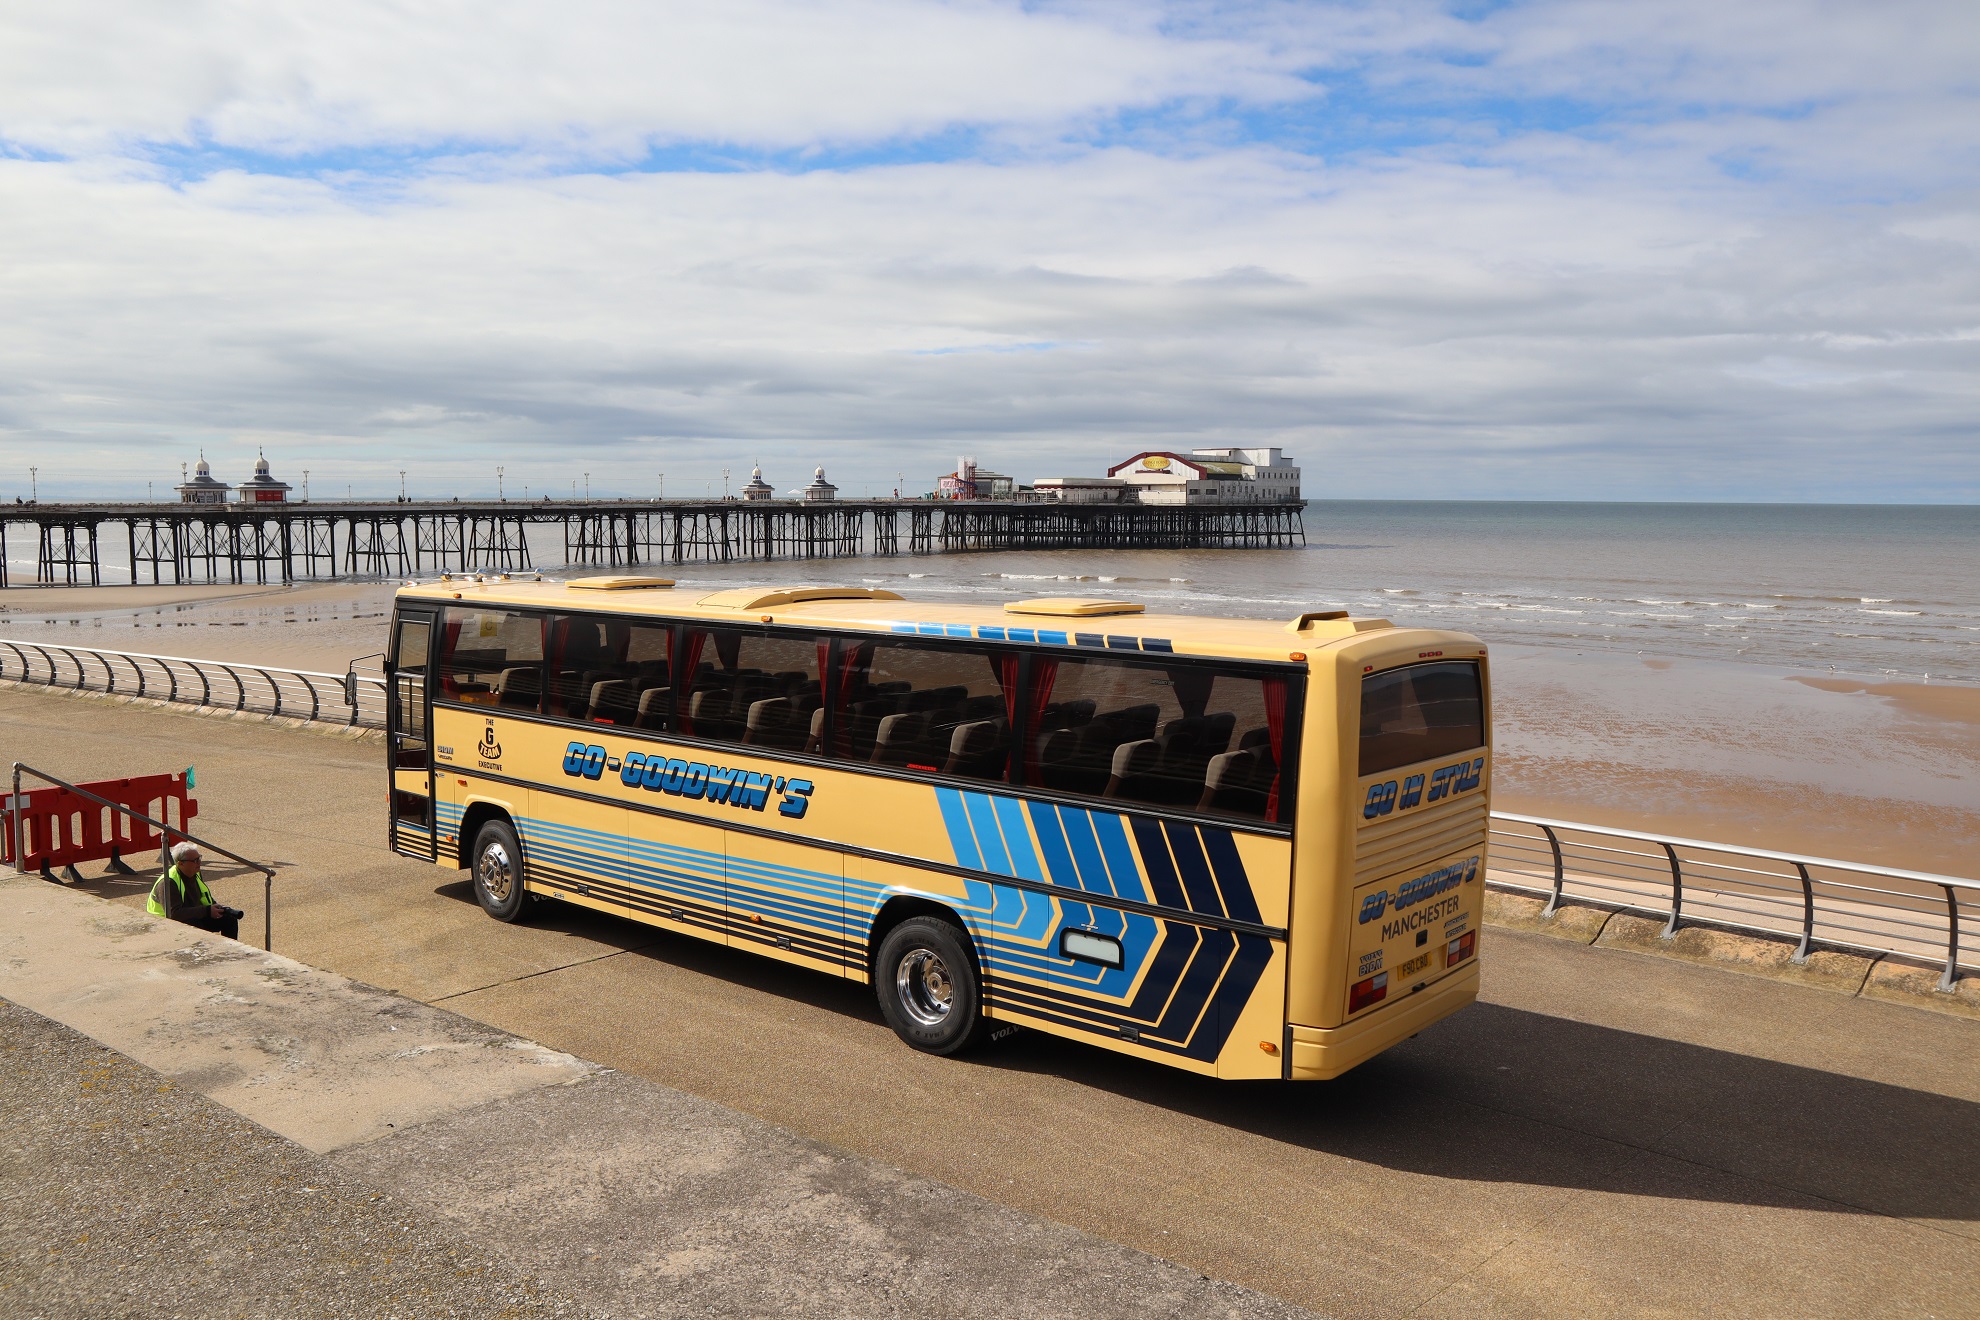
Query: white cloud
{"x": 611, "y": 76}
{"x": 1774, "y": 294}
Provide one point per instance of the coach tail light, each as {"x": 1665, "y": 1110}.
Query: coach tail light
{"x": 1460, "y": 948}
{"x": 1372, "y": 991}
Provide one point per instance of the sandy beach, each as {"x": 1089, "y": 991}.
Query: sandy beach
{"x": 1762, "y": 755}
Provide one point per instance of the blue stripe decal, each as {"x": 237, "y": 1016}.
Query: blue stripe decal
{"x": 1181, "y": 984}
{"x": 1024, "y": 858}
{"x": 1052, "y": 841}
{"x": 1086, "y": 850}
{"x": 989, "y": 839}
{"x": 990, "y": 634}
{"x": 1120, "y": 856}
{"x": 956, "y": 817}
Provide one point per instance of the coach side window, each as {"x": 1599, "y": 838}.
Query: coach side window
{"x": 929, "y": 708}
{"x": 755, "y": 688}
{"x": 491, "y": 657}
{"x": 608, "y": 670}
{"x": 1191, "y": 737}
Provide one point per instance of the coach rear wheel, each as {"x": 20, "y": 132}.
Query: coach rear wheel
{"x": 928, "y": 987}
{"x": 498, "y": 872}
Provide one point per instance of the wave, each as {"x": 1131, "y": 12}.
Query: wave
{"x": 1910, "y": 614}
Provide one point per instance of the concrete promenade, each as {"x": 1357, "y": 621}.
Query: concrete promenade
{"x": 1609, "y": 1133}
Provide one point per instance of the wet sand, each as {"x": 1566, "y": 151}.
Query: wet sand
{"x": 1818, "y": 763}
{"x": 1748, "y": 754}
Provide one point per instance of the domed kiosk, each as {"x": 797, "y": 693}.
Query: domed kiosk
{"x": 263, "y": 488}
{"x": 820, "y": 489}
{"x": 204, "y": 487}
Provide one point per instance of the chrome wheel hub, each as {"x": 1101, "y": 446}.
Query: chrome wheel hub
{"x": 494, "y": 872}
{"x": 926, "y": 991}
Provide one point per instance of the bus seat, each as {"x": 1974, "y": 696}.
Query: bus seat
{"x": 1134, "y": 775}
{"x": 863, "y": 722}
{"x": 613, "y": 701}
{"x": 1237, "y": 781}
{"x": 654, "y": 704}
{"x": 708, "y": 711}
{"x": 898, "y": 737}
{"x": 520, "y": 687}
{"x": 814, "y": 742}
{"x": 1259, "y": 737}
{"x": 771, "y": 723}
{"x": 976, "y": 749}
{"x": 1057, "y": 751}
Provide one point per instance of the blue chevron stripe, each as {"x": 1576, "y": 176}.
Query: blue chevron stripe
{"x": 1183, "y": 985}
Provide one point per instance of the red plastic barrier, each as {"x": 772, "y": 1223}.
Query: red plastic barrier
{"x": 63, "y": 828}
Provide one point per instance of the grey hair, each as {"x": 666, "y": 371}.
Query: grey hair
{"x": 181, "y": 851}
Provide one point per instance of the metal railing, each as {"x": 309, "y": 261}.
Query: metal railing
{"x": 353, "y": 700}
{"x": 1812, "y": 900}
{"x": 169, "y": 832}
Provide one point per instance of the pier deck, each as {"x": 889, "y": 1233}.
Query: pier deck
{"x": 275, "y": 542}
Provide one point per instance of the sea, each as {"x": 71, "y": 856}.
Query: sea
{"x": 1868, "y": 590}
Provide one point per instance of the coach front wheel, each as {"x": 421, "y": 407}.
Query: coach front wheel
{"x": 928, "y": 988}
{"x": 498, "y": 872}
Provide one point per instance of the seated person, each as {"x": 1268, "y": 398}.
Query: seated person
{"x": 181, "y": 895}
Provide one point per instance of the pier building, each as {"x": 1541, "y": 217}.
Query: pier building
{"x": 1200, "y": 476}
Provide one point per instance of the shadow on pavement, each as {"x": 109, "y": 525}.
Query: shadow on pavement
{"x": 1501, "y": 1094}
{"x": 1498, "y": 1094}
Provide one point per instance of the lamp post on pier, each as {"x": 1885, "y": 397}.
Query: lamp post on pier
{"x": 34, "y": 485}
{"x": 498, "y": 487}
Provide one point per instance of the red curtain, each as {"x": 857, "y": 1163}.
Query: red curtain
{"x": 1275, "y": 723}
{"x": 1006, "y": 669}
{"x": 1043, "y": 674}
{"x": 855, "y": 665}
{"x": 686, "y": 672}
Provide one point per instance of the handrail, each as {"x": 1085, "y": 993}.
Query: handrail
{"x": 19, "y": 808}
{"x": 1854, "y": 905}
{"x": 221, "y": 683}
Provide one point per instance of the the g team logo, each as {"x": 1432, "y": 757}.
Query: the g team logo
{"x": 489, "y": 749}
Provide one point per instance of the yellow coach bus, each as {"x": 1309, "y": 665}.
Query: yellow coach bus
{"x": 1242, "y": 847}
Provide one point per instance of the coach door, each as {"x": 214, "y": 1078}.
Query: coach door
{"x": 410, "y": 753}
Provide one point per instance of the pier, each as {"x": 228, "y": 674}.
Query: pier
{"x": 282, "y": 542}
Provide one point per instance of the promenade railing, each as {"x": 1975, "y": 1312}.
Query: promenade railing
{"x": 353, "y": 700}
{"x": 1811, "y": 900}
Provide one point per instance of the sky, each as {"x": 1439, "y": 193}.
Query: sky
{"x": 1663, "y": 250}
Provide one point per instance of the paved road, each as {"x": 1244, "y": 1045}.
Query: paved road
{"x": 1607, "y": 1133}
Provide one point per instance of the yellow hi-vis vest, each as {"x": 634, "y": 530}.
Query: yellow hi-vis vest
{"x": 157, "y": 908}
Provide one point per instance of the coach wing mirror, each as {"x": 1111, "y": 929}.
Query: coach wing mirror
{"x": 351, "y": 679}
